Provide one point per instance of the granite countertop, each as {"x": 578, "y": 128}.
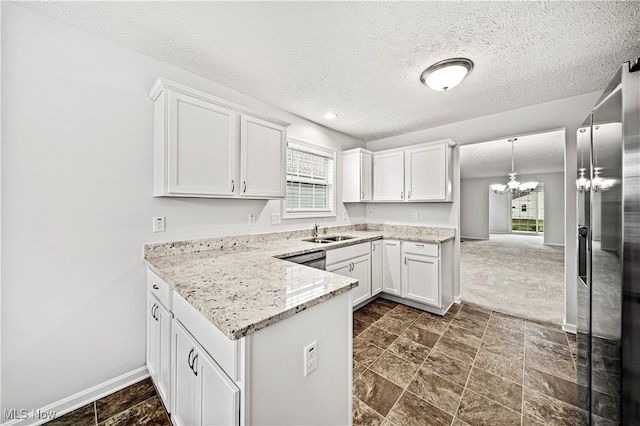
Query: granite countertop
{"x": 240, "y": 283}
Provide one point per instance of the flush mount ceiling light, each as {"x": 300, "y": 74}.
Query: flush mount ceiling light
{"x": 330, "y": 115}
{"x": 516, "y": 188}
{"x": 446, "y": 74}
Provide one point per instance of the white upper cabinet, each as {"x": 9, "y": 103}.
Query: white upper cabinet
{"x": 421, "y": 173}
{"x": 356, "y": 175}
{"x": 205, "y": 146}
{"x": 263, "y": 153}
{"x": 388, "y": 176}
{"x": 428, "y": 173}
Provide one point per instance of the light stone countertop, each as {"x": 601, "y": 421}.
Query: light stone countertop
{"x": 241, "y": 285}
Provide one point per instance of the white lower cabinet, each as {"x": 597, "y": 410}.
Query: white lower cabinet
{"x": 376, "y": 267}
{"x": 158, "y": 351}
{"x": 391, "y": 256}
{"x": 355, "y": 262}
{"x": 257, "y": 379}
{"x": 159, "y": 347}
{"x": 204, "y": 395}
{"x": 420, "y": 272}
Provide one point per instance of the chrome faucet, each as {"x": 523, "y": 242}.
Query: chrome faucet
{"x": 315, "y": 229}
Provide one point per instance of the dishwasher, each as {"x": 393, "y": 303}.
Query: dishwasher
{"x": 315, "y": 259}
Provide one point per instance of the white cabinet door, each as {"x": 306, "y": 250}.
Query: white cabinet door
{"x": 361, "y": 270}
{"x": 365, "y": 176}
{"x": 342, "y": 268}
{"x": 376, "y": 267}
{"x": 203, "y": 393}
{"x": 427, "y": 173}
{"x": 420, "y": 279}
{"x": 201, "y": 147}
{"x": 219, "y": 401}
{"x": 159, "y": 348}
{"x": 185, "y": 382}
{"x": 356, "y": 175}
{"x": 263, "y": 158}
{"x": 350, "y": 262}
{"x": 391, "y": 258}
{"x": 388, "y": 176}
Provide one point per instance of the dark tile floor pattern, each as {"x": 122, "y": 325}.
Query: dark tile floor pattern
{"x": 138, "y": 404}
{"x": 471, "y": 367}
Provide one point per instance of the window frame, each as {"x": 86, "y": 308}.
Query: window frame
{"x": 304, "y": 146}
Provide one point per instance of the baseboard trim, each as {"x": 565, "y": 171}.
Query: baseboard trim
{"x": 82, "y": 398}
{"x": 554, "y": 244}
{"x": 570, "y": 328}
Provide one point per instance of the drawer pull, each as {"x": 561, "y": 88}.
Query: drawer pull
{"x": 419, "y": 245}
{"x": 155, "y": 287}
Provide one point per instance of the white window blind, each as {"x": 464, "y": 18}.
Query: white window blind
{"x": 310, "y": 181}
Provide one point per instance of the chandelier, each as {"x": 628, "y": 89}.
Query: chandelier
{"x": 598, "y": 183}
{"x": 513, "y": 185}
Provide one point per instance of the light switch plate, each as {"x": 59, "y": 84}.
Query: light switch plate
{"x": 275, "y": 218}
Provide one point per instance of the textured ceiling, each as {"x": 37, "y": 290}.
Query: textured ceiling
{"x": 539, "y": 153}
{"x": 363, "y": 59}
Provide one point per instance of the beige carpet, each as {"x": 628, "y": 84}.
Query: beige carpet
{"x": 514, "y": 274}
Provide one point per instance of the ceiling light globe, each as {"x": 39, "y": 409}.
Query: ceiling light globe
{"x": 330, "y": 115}
{"x": 446, "y": 74}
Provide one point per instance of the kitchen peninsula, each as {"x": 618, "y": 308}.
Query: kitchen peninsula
{"x": 262, "y": 340}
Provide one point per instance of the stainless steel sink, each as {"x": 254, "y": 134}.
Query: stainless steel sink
{"x": 317, "y": 240}
{"x": 328, "y": 239}
{"x": 338, "y": 238}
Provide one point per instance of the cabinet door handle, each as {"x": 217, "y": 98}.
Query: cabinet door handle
{"x": 233, "y": 185}
{"x": 194, "y": 366}
{"x": 405, "y": 260}
{"x": 155, "y": 287}
{"x": 244, "y": 186}
{"x": 401, "y": 194}
{"x": 154, "y": 311}
{"x": 362, "y": 197}
{"x": 373, "y": 247}
{"x": 189, "y": 362}
{"x": 409, "y": 194}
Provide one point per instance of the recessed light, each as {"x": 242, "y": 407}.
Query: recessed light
{"x": 446, "y": 74}
{"x": 330, "y": 115}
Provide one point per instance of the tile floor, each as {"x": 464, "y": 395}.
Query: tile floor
{"x": 470, "y": 367}
{"x": 138, "y": 404}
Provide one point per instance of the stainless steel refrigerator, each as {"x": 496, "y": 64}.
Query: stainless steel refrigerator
{"x": 608, "y": 195}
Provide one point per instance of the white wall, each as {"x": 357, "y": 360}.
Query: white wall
{"x": 568, "y": 113}
{"x": 476, "y": 215}
{"x": 76, "y": 197}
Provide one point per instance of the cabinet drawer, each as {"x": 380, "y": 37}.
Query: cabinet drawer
{"x": 159, "y": 288}
{"x": 346, "y": 253}
{"x": 223, "y": 350}
{"x": 424, "y": 249}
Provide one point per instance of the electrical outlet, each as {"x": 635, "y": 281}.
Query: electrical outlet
{"x": 310, "y": 354}
{"x": 416, "y": 216}
{"x": 275, "y": 218}
{"x": 370, "y": 214}
{"x": 344, "y": 215}
{"x": 252, "y": 219}
{"x": 158, "y": 224}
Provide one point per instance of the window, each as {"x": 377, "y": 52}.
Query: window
{"x": 310, "y": 181}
